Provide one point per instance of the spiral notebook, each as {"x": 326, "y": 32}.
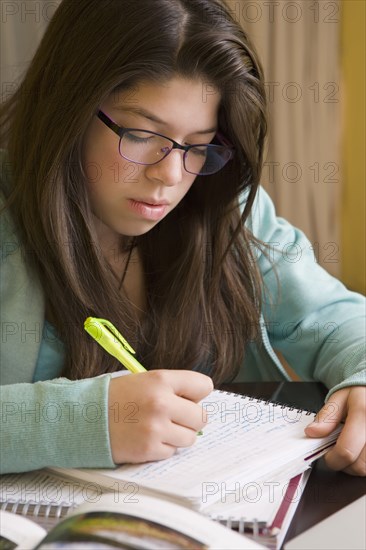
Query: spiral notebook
{"x": 241, "y": 472}
{"x": 265, "y": 519}
{"x": 47, "y": 499}
{"x": 246, "y": 442}
{"x": 43, "y": 497}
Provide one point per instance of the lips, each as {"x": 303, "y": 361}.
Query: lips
{"x": 152, "y": 202}
{"x": 149, "y": 208}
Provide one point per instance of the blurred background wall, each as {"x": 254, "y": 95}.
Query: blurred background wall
{"x": 313, "y": 53}
{"x": 353, "y": 63}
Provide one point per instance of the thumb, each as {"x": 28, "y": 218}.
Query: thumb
{"x": 329, "y": 416}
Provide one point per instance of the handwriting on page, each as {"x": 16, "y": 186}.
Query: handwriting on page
{"x": 237, "y": 427}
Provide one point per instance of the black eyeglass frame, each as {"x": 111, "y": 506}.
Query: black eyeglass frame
{"x": 121, "y": 130}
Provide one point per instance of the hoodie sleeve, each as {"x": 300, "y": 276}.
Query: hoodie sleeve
{"x": 311, "y": 317}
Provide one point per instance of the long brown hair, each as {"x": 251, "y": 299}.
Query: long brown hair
{"x": 203, "y": 287}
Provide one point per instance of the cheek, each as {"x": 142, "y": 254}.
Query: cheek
{"x": 187, "y": 185}
{"x": 110, "y": 176}
{"x": 99, "y": 163}
{"x": 126, "y": 173}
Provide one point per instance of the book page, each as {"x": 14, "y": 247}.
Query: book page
{"x": 255, "y": 507}
{"x": 267, "y": 518}
{"x": 145, "y": 524}
{"x": 18, "y": 532}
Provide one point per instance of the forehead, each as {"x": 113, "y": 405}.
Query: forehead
{"x": 172, "y": 104}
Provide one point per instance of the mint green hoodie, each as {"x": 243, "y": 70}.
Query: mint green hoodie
{"x": 313, "y": 320}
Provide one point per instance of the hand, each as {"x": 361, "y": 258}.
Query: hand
{"x": 349, "y": 453}
{"x": 153, "y": 413}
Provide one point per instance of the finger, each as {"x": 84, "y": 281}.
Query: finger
{"x": 178, "y": 436}
{"x": 351, "y": 441}
{"x": 188, "y": 414}
{"x": 194, "y": 385}
{"x": 189, "y": 384}
{"x": 160, "y": 452}
{"x": 329, "y": 416}
{"x": 358, "y": 468}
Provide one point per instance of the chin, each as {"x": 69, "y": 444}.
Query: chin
{"x": 136, "y": 230}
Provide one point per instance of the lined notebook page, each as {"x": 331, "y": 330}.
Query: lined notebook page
{"x": 245, "y": 440}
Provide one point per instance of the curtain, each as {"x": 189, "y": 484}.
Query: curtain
{"x": 298, "y": 43}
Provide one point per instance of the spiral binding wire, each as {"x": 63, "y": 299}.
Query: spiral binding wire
{"x": 242, "y": 525}
{"x": 32, "y": 508}
{"x": 268, "y": 402}
{"x": 253, "y": 528}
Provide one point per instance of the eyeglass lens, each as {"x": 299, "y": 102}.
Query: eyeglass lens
{"x": 144, "y": 147}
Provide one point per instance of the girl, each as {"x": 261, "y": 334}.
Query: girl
{"x": 131, "y": 163}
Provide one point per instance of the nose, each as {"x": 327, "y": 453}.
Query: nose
{"x": 168, "y": 171}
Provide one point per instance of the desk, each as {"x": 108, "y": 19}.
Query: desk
{"x": 326, "y": 491}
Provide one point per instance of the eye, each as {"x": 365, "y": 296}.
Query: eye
{"x": 199, "y": 151}
{"x": 139, "y": 136}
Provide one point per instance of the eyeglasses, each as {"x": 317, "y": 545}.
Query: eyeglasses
{"x": 147, "y": 148}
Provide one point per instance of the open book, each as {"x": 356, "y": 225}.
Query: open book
{"x": 47, "y": 499}
{"x": 141, "y": 523}
{"x": 252, "y": 452}
{"x": 247, "y": 470}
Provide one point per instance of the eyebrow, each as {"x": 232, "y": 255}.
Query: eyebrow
{"x": 154, "y": 118}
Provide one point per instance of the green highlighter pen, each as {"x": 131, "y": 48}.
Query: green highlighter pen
{"x": 113, "y": 342}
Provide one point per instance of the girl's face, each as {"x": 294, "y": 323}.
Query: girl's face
{"x": 127, "y": 198}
